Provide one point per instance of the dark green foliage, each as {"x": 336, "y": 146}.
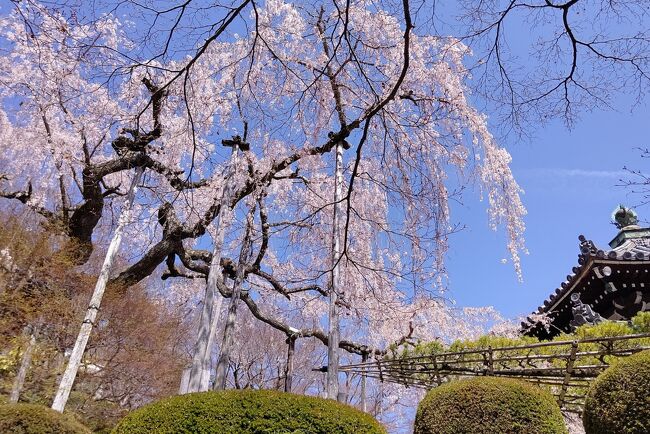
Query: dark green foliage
{"x": 618, "y": 401}
{"x": 488, "y": 405}
{"x": 37, "y": 419}
{"x": 247, "y": 412}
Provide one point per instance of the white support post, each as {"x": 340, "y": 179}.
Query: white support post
{"x": 199, "y": 373}
{"x": 335, "y": 287}
{"x": 364, "y": 405}
{"x": 229, "y": 329}
{"x": 25, "y": 361}
{"x": 71, "y": 370}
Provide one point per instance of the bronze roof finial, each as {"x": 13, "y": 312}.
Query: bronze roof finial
{"x": 624, "y": 217}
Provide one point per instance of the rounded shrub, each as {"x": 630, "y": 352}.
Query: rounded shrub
{"x": 491, "y": 405}
{"x": 618, "y": 401}
{"x": 37, "y": 419}
{"x": 247, "y": 412}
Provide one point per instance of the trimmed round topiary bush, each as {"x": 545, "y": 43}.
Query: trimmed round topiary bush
{"x": 488, "y": 405}
{"x": 247, "y": 412}
{"x": 37, "y": 419}
{"x": 618, "y": 401}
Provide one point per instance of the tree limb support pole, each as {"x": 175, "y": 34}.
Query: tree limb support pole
{"x": 288, "y": 370}
{"x": 364, "y": 404}
{"x": 25, "y": 361}
{"x": 71, "y": 370}
{"x": 198, "y": 379}
{"x": 335, "y": 287}
{"x": 229, "y": 329}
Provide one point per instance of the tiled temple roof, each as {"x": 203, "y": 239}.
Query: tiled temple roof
{"x": 632, "y": 244}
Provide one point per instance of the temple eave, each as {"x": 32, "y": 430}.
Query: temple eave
{"x": 609, "y": 284}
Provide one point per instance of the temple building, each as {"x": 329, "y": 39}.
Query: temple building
{"x": 612, "y": 284}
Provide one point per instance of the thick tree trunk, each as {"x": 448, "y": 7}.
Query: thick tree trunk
{"x": 229, "y": 330}
{"x": 25, "y": 361}
{"x": 335, "y": 287}
{"x": 65, "y": 386}
{"x": 199, "y": 376}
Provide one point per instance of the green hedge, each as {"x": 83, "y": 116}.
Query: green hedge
{"x": 247, "y": 412}
{"x": 37, "y": 419}
{"x": 488, "y": 405}
{"x": 619, "y": 399}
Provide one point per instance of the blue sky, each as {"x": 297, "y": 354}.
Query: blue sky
{"x": 570, "y": 180}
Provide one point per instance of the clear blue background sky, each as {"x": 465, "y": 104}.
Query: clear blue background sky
{"x": 570, "y": 180}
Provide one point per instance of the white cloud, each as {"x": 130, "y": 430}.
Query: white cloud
{"x": 551, "y": 172}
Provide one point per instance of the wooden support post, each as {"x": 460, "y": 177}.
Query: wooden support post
{"x": 25, "y": 361}
{"x": 435, "y": 370}
{"x": 364, "y": 404}
{"x": 228, "y": 340}
{"x": 74, "y": 363}
{"x": 288, "y": 370}
{"x": 199, "y": 376}
{"x": 185, "y": 381}
{"x": 490, "y": 361}
{"x": 343, "y": 394}
{"x": 567, "y": 375}
{"x": 336, "y": 289}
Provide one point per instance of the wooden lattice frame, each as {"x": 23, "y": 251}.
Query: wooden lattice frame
{"x": 566, "y": 368}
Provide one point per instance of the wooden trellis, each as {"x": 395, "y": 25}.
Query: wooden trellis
{"x": 566, "y": 368}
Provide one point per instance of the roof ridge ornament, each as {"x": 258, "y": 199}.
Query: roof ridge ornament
{"x": 583, "y": 313}
{"x": 624, "y": 217}
{"x": 586, "y": 246}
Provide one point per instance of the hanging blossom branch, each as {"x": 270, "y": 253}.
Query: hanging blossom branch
{"x": 303, "y": 82}
{"x": 372, "y": 111}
